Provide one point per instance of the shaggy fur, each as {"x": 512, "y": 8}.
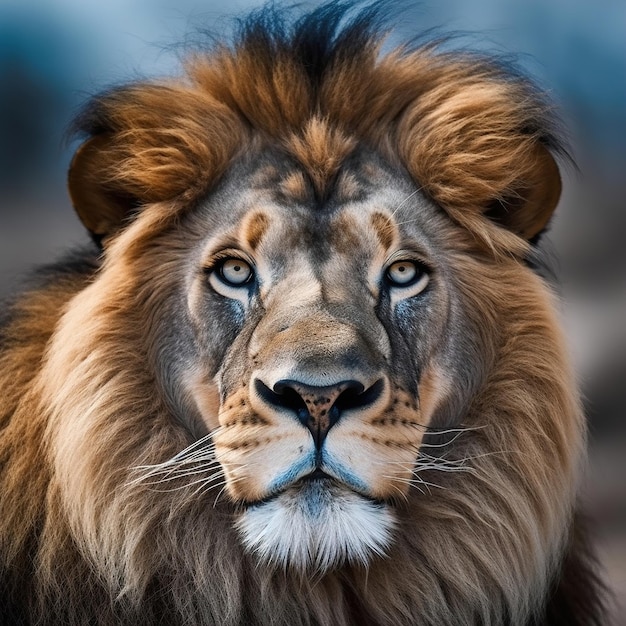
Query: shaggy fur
{"x": 86, "y": 398}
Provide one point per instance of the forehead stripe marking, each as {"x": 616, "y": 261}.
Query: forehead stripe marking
{"x": 384, "y": 228}
{"x": 254, "y": 228}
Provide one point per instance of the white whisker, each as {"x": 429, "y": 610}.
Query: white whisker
{"x": 441, "y": 445}
{"x": 179, "y": 473}
{"x": 405, "y": 201}
{"x": 202, "y": 481}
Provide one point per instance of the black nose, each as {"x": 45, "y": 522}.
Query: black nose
{"x": 319, "y": 408}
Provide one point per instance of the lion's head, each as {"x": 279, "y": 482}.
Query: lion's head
{"x": 314, "y": 379}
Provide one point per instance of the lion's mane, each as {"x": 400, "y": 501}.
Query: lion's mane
{"x": 82, "y": 542}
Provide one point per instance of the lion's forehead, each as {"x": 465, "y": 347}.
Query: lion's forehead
{"x": 270, "y": 211}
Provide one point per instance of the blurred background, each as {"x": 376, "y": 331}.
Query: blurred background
{"x": 54, "y": 54}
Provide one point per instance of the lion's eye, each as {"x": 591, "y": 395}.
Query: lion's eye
{"x": 407, "y": 278}
{"x": 235, "y": 272}
{"x": 403, "y": 273}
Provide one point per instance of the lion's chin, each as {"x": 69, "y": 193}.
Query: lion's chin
{"x": 316, "y": 526}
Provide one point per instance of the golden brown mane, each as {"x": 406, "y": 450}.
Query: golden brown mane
{"x": 474, "y": 135}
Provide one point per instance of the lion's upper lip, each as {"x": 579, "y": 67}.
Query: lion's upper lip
{"x": 316, "y": 467}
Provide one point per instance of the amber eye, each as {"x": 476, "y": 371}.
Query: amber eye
{"x": 235, "y": 272}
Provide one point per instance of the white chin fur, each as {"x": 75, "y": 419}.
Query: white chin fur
{"x": 316, "y": 527}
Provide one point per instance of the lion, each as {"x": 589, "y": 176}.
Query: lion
{"x": 308, "y": 372}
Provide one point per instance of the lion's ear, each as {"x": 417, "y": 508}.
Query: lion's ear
{"x": 101, "y": 207}
{"x": 148, "y": 143}
{"x": 528, "y": 212}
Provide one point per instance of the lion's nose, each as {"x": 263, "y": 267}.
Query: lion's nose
{"x": 320, "y": 408}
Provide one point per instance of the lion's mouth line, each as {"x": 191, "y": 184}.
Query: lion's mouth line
{"x": 319, "y": 476}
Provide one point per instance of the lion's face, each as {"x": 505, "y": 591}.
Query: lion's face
{"x": 313, "y": 303}
{"x": 317, "y": 326}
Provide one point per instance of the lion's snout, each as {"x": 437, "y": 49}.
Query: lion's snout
{"x": 317, "y": 407}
